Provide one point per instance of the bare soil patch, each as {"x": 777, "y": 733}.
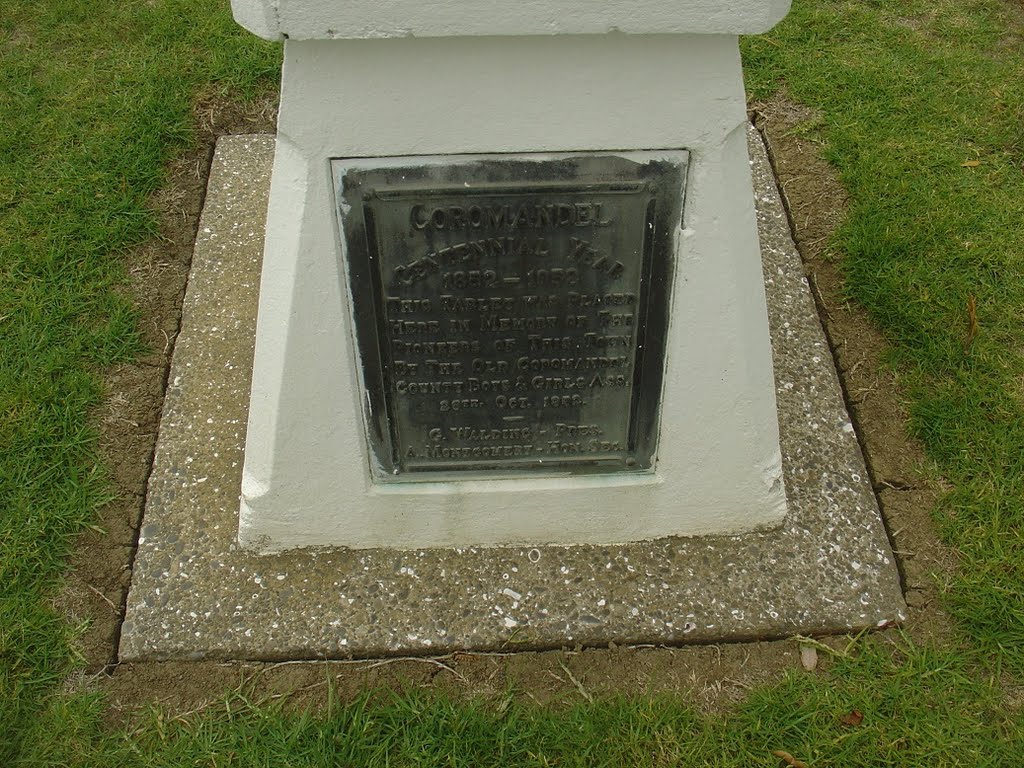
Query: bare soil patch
{"x": 710, "y": 676}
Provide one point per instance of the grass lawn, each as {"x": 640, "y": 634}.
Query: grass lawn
{"x": 922, "y": 108}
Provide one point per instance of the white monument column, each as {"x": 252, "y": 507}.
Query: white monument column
{"x": 458, "y": 85}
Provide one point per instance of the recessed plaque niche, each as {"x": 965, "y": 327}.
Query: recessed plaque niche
{"x": 511, "y": 311}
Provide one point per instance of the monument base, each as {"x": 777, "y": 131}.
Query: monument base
{"x": 369, "y": 366}
{"x": 196, "y": 594}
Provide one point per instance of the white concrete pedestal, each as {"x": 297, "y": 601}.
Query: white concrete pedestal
{"x": 482, "y": 77}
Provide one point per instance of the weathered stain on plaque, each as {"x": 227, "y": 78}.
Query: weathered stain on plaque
{"x": 511, "y": 313}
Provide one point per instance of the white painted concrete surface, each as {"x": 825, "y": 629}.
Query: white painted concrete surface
{"x": 306, "y": 480}
{"x": 372, "y": 19}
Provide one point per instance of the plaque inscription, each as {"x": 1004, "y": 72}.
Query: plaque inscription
{"x": 510, "y": 314}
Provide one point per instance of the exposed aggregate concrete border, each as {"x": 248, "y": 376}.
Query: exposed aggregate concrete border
{"x": 194, "y": 594}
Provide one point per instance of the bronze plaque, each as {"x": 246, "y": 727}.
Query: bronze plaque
{"x": 511, "y": 312}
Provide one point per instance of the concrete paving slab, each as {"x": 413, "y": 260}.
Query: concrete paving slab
{"x": 196, "y": 595}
